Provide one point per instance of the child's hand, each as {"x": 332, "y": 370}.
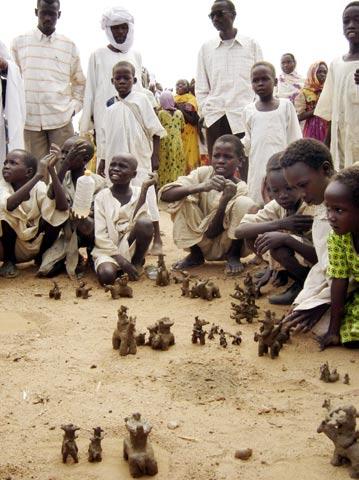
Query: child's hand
{"x": 151, "y": 180}
{"x": 78, "y": 149}
{"x": 56, "y": 150}
{"x": 268, "y": 241}
{"x": 42, "y": 167}
{"x": 304, "y": 320}
{"x": 297, "y": 223}
{"x": 101, "y": 168}
{"x": 217, "y": 182}
{"x": 356, "y": 76}
{"x": 328, "y": 340}
{"x": 52, "y": 162}
{"x": 229, "y": 191}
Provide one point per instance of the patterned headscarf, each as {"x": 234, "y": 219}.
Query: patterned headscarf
{"x": 116, "y": 16}
{"x": 167, "y": 101}
{"x": 312, "y": 86}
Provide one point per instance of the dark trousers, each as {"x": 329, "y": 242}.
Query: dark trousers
{"x": 216, "y": 130}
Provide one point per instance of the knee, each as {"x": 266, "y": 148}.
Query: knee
{"x": 144, "y": 227}
{"x": 107, "y": 273}
{"x": 281, "y": 253}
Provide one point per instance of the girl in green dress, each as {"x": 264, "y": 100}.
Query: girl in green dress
{"x": 172, "y": 159}
{"x": 342, "y": 201}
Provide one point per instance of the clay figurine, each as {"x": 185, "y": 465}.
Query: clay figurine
{"x": 328, "y": 376}
{"x": 340, "y": 427}
{"x": 152, "y": 330}
{"x": 120, "y": 288}
{"x": 270, "y": 337}
{"x": 205, "y": 289}
{"x": 140, "y": 339}
{"x": 55, "y": 292}
{"x": 69, "y": 446}
{"x": 237, "y": 339}
{"x": 137, "y": 450}
{"x": 178, "y": 276}
{"x": 346, "y": 379}
{"x": 185, "y": 287}
{"x": 198, "y": 334}
{"x": 244, "y": 311}
{"x": 327, "y": 404}
{"x": 95, "y": 449}
{"x": 250, "y": 287}
{"x": 82, "y": 291}
{"x": 163, "y": 277}
{"x": 162, "y": 337}
{"x": 239, "y": 293}
{"x": 213, "y": 331}
{"x": 222, "y": 339}
{"x": 124, "y": 337}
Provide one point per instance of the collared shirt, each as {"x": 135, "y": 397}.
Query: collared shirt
{"x": 53, "y": 78}
{"x": 223, "y": 83}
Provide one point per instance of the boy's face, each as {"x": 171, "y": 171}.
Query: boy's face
{"x": 263, "y": 81}
{"x": 341, "y": 211}
{"x": 287, "y": 63}
{"x": 15, "y": 169}
{"x": 225, "y": 161}
{"x": 122, "y": 169}
{"x": 309, "y": 182}
{"x": 351, "y": 24}
{"x": 285, "y": 195}
{"x": 47, "y": 15}
{"x": 123, "y": 80}
{"x": 120, "y": 32}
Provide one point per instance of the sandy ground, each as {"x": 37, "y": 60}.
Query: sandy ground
{"x": 57, "y": 366}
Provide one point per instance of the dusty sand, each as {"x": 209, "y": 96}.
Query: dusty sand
{"x": 57, "y": 366}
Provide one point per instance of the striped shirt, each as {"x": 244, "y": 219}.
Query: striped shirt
{"x": 223, "y": 83}
{"x": 53, "y": 78}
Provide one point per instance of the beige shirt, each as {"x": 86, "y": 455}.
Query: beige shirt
{"x": 223, "y": 83}
{"x": 53, "y": 78}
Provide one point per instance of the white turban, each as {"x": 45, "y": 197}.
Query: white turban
{"x": 117, "y": 16}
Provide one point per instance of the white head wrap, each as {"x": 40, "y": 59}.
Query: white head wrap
{"x": 117, "y": 16}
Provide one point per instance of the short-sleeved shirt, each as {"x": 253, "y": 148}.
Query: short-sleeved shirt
{"x": 343, "y": 258}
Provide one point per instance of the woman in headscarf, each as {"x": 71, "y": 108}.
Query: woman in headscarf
{"x": 118, "y": 25}
{"x": 307, "y": 99}
{"x": 172, "y": 159}
{"x": 12, "y": 105}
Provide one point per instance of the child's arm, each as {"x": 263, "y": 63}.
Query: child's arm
{"x": 294, "y": 223}
{"x": 59, "y": 193}
{"x": 156, "y": 153}
{"x": 271, "y": 240}
{"x": 177, "y": 193}
{"x": 152, "y": 180}
{"x": 23, "y": 193}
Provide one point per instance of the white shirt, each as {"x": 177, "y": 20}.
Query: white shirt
{"x": 54, "y": 81}
{"x": 223, "y": 83}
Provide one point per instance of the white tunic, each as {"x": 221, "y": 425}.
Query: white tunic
{"x": 339, "y": 103}
{"x": 267, "y": 133}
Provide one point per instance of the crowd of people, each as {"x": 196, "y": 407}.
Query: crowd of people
{"x": 244, "y": 162}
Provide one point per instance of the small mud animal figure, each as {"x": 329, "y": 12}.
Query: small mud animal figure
{"x": 205, "y": 289}
{"x": 346, "y": 379}
{"x": 270, "y": 337}
{"x": 163, "y": 277}
{"x": 179, "y": 276}
{"x": 328, "y": 376}
{"x": 152, "y": 330}
{"x": 239, "y": 293}
{"x": 237, "y": 339}
{"x": 340, "y": 427}
{"x": 140, "y": 339}
{"x": 244, "y": 311}
{"x": 251, "y": 289}
{"x": 95, "y": 448}
{"x": 222, "y": 339}
{"x": 327, "y": 404}
{"x": 185, "y": 290}
{"x": 198, "y": 334}
{"x": 55, "y": 292}
{"x": 137, "y": 449}
{"x": 213, "y": 331}
{"x": 162, "y": 338}
{"x": 124, "y": 337}
{"x": 82, "y": 291}
{"x": 120, "y": 288}
{"x": 69, "y": 446}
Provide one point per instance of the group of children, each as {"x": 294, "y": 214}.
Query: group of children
{"x": 307, "y": 229}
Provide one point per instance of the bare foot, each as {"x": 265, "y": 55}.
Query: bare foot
{"x": 9, "y": 270}
{"x": 188, "y": 262}
{"x": 257, "y": 260}
{"x": 233, "y": 266}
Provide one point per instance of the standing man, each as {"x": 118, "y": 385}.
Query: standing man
{"x": 54, "y": 81}
{"x": 223, "y": 83}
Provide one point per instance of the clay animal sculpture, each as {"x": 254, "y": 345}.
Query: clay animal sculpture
{"x": 152, "y": 330}
{"x": 340, "y": 427}
{"x": 346, "y": 379}
{"x": 237, "y": 339}
{"x": 198, "y": 334}
{"x": 163, "y": 277}
{"x": 246, "y": 310}
{"x": 205, "y": 289}
{"x": 185, "y": 290}
{"x": 69, "y": 447}
{"x": 222, "y": 339}
{"x": 120, "y": 288}
{"x": 140, "y": 339}
{"x": 124, "y": 336}
{"x": 328, "y": 376}
{"x": 250, "y": 287}
{"x": 55, "y": 292}
{"x": 213, "y": 331}
{"x": 270, "y": 338}
{"x": 95, "y": 448}
{"x": 163, "y": 338}
{"x": 239, "y": 293}
{"x": 82, "y": 291}
{"x": 137, "y": 449}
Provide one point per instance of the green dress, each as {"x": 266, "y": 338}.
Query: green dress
{"x": 344, "y": 263}
{"x": 172, "y": 159}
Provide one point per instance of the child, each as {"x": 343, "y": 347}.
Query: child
{"x": 206, "y": 207}
{"x": 339, "y": 101}
{"x": 30, "y": 221}
{"x": 307, "y": 99}
{"x": 290, "y": 82}
{"x": 123, "y": 230}
{"x": 172, "y": 159}
{"x": 281, "y": 228}
{"x": 271, "y": 124}
{"x": 131, "y": 125}
{"x": 308, "y": 167}
{"x": 342, "y": 201}
{"x": 75, "y": 154}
